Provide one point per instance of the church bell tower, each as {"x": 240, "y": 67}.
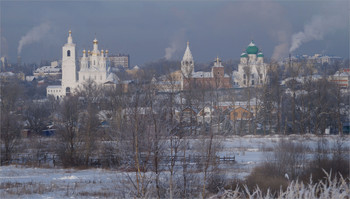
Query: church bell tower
{"x": 69, "y": 69}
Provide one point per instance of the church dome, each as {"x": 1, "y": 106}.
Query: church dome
{"x": 244, "y": 55}
{"x": 252, "y": 48}
{"x": 260, "y": 54}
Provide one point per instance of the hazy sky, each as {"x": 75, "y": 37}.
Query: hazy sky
{"x": 150, "y": 30}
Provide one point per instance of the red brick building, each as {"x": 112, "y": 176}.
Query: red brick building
{"x": 216, "y": 79}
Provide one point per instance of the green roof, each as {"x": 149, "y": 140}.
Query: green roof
{"x": 260, "y": 55}
{"x": 252, "y": 48}
{"x": 244, "y": 55}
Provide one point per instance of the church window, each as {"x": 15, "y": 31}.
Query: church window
{"x": 68, "y": 53}
{"x": 244, "y": 82}
{"x": 252, "y": 75}
{"x": 244, "y": 76}
{"x": 190, "y": 62}
{"x": 68, "y": 91}
{"x": 252, "y": 82}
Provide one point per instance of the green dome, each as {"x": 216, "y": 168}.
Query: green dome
{"x": 244, "y": 55}
{"x": 252, "y": 48}
{"x": 260, "y": 55}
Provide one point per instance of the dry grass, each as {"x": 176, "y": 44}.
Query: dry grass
{"x": 27, "y": 188}
{"x": 96, "y": 194}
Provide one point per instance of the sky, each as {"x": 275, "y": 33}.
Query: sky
{"x": 152, "y": 30}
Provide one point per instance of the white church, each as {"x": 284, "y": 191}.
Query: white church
{"x": 252, "y": 71}
{"x": 94, "y": 66}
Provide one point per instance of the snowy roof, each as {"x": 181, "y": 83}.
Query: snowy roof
{"x": 188, "y": 55}
{"x": 139, "y": 110}
{"x": 54, "y": 86}
{"x": 201, "y": 74}
{"x": 30, "y": 78}
{"x": 244, "y": 55}
{"x": 301, "y": 79}
{"x": 112, "y": 78}
{"x": 7, "y": 74}
{"x": 47, "y": 69}
{"x": 253, "y": 102}
{"x": 342, "y": 74}
{"x": 251, "y": 43}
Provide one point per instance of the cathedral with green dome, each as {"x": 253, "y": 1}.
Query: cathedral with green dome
{"x": 251, "y": 69}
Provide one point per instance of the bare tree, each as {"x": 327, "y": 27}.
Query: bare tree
{"x": 89, "y": 121}
{"x": 293, "y": 71}
{"x": 10, "y": 119}
{"x": 36, "y": 115}
{"x": 68, "y": 132}
{"x": 247, "y": 73}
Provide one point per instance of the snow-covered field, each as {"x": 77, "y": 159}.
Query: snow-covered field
{"x": 60, "y": 183}
{"x": 101, "y": 183}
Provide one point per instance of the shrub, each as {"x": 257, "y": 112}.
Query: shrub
{"x": 266, "y": 178}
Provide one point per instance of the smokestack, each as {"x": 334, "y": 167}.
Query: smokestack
{"x": 19, "y": 61}
{"x": 290, "y": 60}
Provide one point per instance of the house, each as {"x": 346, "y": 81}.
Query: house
{"x": 53, "y": 70}
{"x": 253, "y": 104}
{"x": 342, "y": 78}
{"x": 205, "y": 114}
{"x": 240, "y": 113}
{"x": 189, "y": 115}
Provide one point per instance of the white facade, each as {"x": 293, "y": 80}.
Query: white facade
{"x": 187, "y": 65}
{"x": 252, "y": 70}
{"x": 94, "y": 66}
{"x": 53, "y": 69}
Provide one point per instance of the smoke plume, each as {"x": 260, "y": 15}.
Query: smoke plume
{"x": 316, "y": 30}
{"x": 176, "y": 44}
{"x": 34, "y": 35}
{"x": 283, "y": 44}
{"x": 169, "y": 51}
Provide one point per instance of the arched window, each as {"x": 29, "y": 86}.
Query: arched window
{"x": 68, "y": 91}
{"x": 68, "y": 53}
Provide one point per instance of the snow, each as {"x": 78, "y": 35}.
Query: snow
{"x": 58, "y": 183}
{"x": 249, "y": 152}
